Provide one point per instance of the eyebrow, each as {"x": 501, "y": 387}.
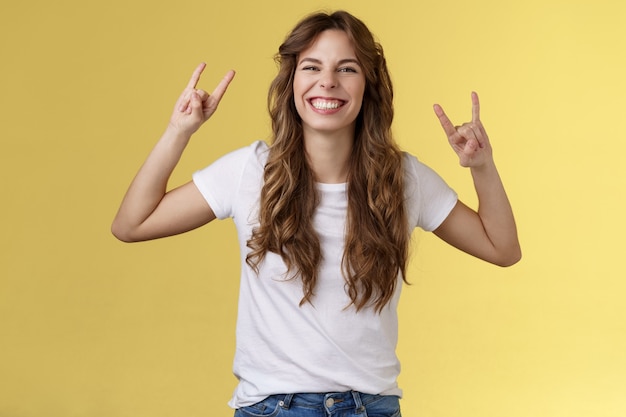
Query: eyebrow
{"x": 341, "y": 62}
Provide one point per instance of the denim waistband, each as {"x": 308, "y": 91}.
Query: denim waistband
{"x": 329, "y": 401}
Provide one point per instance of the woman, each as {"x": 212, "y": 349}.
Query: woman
{"x": 324, "y": 216}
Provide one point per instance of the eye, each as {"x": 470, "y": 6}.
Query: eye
{"x": 310, "y": 68}
{"x": 347, "y": 69}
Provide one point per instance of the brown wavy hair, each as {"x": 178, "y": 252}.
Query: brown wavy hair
{"x": 377, "y": 234}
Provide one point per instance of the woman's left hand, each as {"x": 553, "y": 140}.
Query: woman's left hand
{"x": 469, "y": 140}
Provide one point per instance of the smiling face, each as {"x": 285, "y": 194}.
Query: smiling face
{"x": 328, "y": 85}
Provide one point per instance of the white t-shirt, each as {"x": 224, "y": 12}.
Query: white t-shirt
{"x": 322, "y": 346}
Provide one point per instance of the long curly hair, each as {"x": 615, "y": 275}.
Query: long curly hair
{"x": 377, "y": 236}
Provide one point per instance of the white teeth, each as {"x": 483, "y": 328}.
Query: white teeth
{"x": 325, "y": 105}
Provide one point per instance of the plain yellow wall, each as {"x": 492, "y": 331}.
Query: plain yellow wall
{"x": 93, "y": 327}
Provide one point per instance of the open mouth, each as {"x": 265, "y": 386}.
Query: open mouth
{"x": 326, "y": 104}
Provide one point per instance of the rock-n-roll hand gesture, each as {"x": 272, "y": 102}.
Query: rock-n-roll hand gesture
{"x": 148, "y": 210}
{"x": 490, "y": 232}
{"x": 470, "y": 140}
{"x": 196, "y": 106}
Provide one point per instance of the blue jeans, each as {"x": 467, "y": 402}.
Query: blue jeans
{"x": 339, "y": 404}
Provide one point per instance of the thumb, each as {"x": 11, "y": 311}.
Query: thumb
{"x": 203, "y": 95}
{"x": 195, "y": 103}
{"x": 471, "y": 146}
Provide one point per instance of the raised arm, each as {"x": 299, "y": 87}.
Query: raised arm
{"x": 148, "y": 211}
{"x": 489, "y": 233}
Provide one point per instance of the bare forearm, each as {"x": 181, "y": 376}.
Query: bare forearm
{"x": 149, "y": 211}
{"x": 489, "y": 233}
{"x": 495, "y": 212}
{"x": 150, "y": 184}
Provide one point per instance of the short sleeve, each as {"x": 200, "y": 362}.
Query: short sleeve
{"x": 429, "y": 198}
{"x": 219, "y": 182}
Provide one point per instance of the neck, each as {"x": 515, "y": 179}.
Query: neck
{"x": 329, "y": 155}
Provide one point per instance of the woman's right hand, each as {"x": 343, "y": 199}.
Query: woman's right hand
{"x": 148, "y": 210}
{"x": 195, "y": 106}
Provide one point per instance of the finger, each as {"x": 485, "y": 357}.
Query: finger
{"x": 184, "y": 100}
{"x": 194, "y": 104}
{"x": 223, "y": 85}
{"x": 467, "y": 131}
{"x": 446, "y": 124}
{"x": 470, "y": 148}
{"x": 479, "y": 134}
{"x": 195, "y": 77}
{"x": 202, "y": 94}
{"x": 475, "y": 107}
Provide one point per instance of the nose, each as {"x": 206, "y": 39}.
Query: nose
{"x": 328, "y": 79}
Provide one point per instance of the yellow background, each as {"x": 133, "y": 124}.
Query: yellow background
{"x": 93, "y": 327}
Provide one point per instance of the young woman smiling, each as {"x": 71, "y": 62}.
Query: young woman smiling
{"x": 324, "y": 215}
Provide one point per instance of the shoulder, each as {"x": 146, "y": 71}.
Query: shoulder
{"x": 416, "y": 170}
{"x": 254, "y": 154}
{"x": 232, "y": 165}
{"x": 236, "y": 174}
{"x": 260, "y": 149}
{"x": 257, "y": 150}
{"x": 428, "y": 196}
